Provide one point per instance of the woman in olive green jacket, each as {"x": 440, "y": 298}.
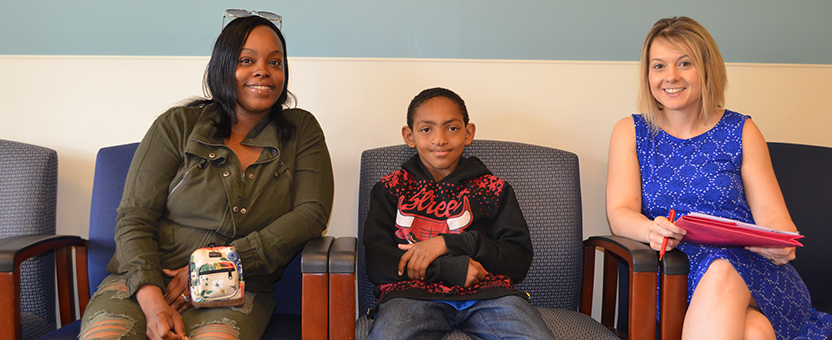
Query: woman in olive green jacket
{"x": 235, "y": 169}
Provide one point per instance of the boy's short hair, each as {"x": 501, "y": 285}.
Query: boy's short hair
{"x": 427, "y": 94}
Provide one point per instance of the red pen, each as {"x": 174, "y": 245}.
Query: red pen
{"x": 671, "y": 217}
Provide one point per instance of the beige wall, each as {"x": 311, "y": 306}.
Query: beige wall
{"x": 77, "y": 105}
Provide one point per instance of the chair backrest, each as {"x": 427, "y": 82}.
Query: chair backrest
{"x": 547, "y": 184}
{"x": 804, "y": 173}
{"x": 28, "y": 201}
{"x": 111, "y": 166}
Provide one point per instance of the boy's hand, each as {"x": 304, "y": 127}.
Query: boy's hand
{"x": 476, "y": 273}
{"x": 420, "y": 255}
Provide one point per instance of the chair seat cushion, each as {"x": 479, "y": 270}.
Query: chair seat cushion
{"x": 565, "y": 324}
{"x": 284, "y": 327}
{"x": 34, "y": 326}
{"x": 68, "y": 332}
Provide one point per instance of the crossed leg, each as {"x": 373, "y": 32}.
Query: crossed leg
{"x": 722, "y": 308}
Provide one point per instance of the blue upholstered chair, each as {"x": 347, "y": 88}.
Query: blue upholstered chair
{"x": 547, "y": 184}
{"x": 28, "y": 197}
{"x": 302, "y": 294}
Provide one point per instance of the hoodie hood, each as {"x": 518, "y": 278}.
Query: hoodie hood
{"x": 468, "y": 168}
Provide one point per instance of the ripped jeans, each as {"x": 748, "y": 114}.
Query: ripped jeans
{"x": 111, "y": 314}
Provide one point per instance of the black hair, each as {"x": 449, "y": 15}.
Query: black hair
{"x": 427, "y": 94}
{"x": 220, "y": 82}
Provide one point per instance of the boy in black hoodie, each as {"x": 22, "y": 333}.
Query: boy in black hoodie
{"x": 445, "y": 239}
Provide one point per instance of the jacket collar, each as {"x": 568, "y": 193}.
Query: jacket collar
{"x": 203, "y": 142}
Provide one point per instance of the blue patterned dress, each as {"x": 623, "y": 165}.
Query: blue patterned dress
{"x": 702, "y": 174}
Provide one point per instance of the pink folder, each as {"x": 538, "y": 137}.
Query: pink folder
{"x": 717, "y": 231}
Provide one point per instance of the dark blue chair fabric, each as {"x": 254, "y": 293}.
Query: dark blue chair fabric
{"x": 804, "y": 173}
{"x": 111, "y": 166}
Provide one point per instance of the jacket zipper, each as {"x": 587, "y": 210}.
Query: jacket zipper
{"x": 200, "y": 164}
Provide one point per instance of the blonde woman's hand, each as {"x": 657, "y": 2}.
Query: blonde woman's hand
{"x": 660, "y": 228}
{"x": 778, "y": 256}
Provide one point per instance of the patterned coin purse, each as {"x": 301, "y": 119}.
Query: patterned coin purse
{"x": 216, "y": 277}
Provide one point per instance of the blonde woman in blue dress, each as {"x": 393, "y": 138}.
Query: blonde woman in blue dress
{"x": 686, "y": 152}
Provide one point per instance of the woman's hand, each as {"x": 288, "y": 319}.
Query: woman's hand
{"x": 419, "y": 256}
{"x": 178, "y": 290}
{"x": 661, "y": 228}
{"x": 163, "y": 322}
{"x": 166, "y": 324}
{"x": 778, "y": 256}
{"x": 476, "y": 272}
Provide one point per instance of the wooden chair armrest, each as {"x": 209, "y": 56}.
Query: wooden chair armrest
{"x": 642, "y": 262}
{"x": 15, "y": 250}
{"x": 315, "y": 255}
{"x": 674, "y": 294}
{"x": 342, "y": 264}
{"x": 314, "y": 267}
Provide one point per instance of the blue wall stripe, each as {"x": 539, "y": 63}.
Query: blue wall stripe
{"x": 754, "y": 31}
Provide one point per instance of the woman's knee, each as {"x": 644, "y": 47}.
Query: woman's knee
{"x": 721, "y": 273}
{"x": 247, "y": 321}
{"x": 721, "y": 267}
{"x": 721, "y": 285}
{"x": 106, "y": 326}
{"x": 111, "y": 314}
{"x": 224, "y": 329}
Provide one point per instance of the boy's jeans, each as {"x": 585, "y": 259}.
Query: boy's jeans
{"x": 508, "y": 317}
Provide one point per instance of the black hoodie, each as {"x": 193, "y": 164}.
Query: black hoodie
{"x": 477, "y": 214}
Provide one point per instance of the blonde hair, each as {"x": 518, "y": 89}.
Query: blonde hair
{"x": 692, "y": 38}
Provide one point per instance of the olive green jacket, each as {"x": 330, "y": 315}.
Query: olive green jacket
{"x": 185, "y": 189}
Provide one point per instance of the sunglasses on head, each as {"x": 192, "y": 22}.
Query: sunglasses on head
{"x": 231, "y": 14}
